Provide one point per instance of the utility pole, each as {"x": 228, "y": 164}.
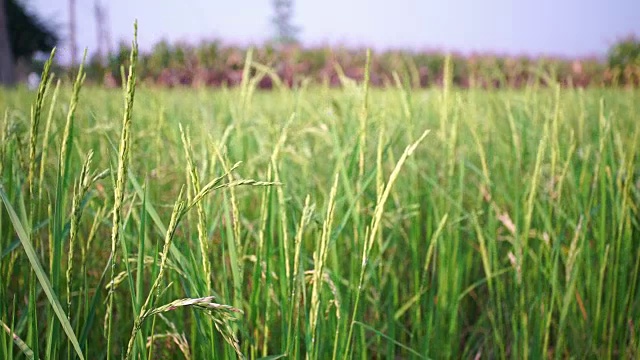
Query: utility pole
{"x": 73, "y": 42}
{"x": 7, "y": 77}
{"x": 102, "y": 30}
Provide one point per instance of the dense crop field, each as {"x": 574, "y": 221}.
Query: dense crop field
{"x": 319, "y": 223}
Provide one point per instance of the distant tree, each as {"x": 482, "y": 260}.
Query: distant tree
{"x": 625, "y": 53}
{"x": 22, "y": 34}
{"x": 624, "y": 61}
{"x": 286, "y": 32}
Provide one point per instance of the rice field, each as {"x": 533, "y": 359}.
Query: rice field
{"x": 318, "y": 223}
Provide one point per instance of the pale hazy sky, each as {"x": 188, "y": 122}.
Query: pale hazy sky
{"x": 552, "y": 27}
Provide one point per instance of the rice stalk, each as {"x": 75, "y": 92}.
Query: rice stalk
{"x": 176, "y": 214}
{"x": 81, "y": 189}
{"x": 319, "y": 258}
{"x": 236, "y": 250}
{"x": 36, "y": 111}
{"x": 362, "y": 142}
{"x": 65, "y": 149}
{"x": 123, "y": 159}
{"x": 298, "y": 278}
{"x": 280, "y": 192}
{"x": 201, "y": 227}
{"x": 372, "y": 232}
{"x": 45, "y": 137}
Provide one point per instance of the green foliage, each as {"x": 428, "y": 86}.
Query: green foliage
{"x": 626, "y": 52}
{"x": 624, "y": 59}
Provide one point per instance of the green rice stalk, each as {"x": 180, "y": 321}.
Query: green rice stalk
{"x": 237, "y": 253}
{"x": 521, "y": 243}
{"x": 201, "y": 225}
{"x": 260, "y": 266}
{"x": 280, "y": 192}
{"x": 570, "y": 281}
{"x": 404, "y": 98}
{"x": 85, "y": 248}
{"x": 487, "y": 266}
{"x": 202, "y": 232}
{"x": 380, "y": 173}
{"x": 65, "y": 149}
{"x": 35, "y": 122}
{"x": 482, "y": 155}
{"x": 425, "y": 269}
{"x": 176, "y": 214}
{"x": 363, "y": 115}
{"x": 554, "y": 132}
{"x": 45, "y": 137}
{"x": 298, "y": 283}
{"x": 179, "y": 210}
{"x": 244, "y": 85}
{"x": 123, "y": 159}
{"x": 36, "y": 111}
{"x": 82, "y": 187}
{"x": 319, "y": 258}
{"x": 373, "y": 232}
{"x": 58, "y": 206}
{"x": 214, "y": 185}
{"x": 447, "y": 73}
{"x": 515, "y": 139}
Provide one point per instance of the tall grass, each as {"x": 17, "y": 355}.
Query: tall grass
{"x": 319, "y": 223}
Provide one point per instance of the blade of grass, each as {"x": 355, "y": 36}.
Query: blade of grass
{"x": 42, "y": 277}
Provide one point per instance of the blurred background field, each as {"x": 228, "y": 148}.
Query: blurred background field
{"x": 195, "y": 44}
{"x": 159, "y": 203}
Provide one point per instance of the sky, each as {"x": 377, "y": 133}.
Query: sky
{"x": 568, "y": 28}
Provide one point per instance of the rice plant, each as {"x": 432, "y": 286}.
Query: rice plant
{"x": 313, "y": 222}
